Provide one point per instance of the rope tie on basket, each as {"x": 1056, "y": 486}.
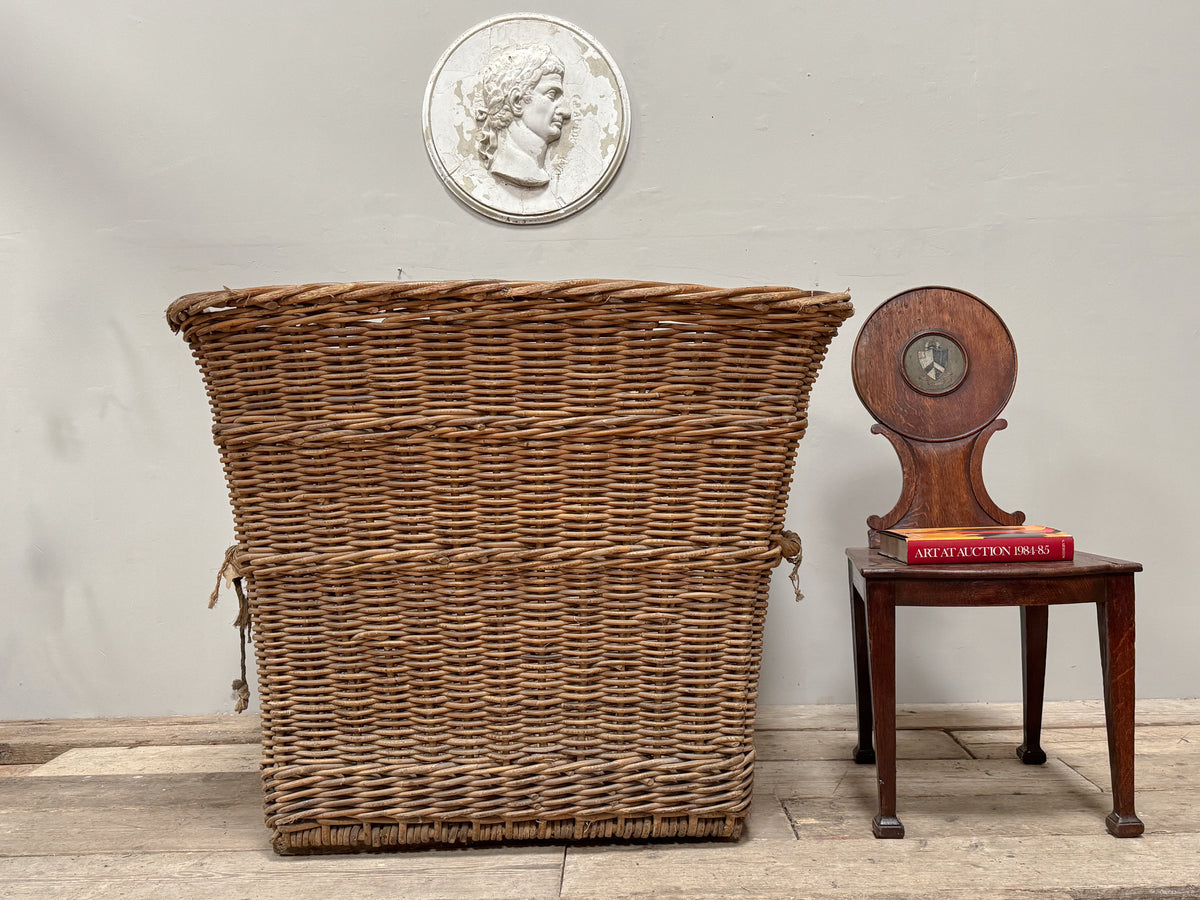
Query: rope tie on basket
{"x": 793, "y": 552}
{"x": 231, "y": 574}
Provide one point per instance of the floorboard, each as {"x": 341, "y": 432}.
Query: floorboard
{"x": 480, "y": 873}
{"x": 136, "y": 808}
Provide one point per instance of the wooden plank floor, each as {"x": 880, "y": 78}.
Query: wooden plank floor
{"x": 172, "y": 808}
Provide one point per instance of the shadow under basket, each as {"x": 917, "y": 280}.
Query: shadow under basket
{"x": 507, "y": 547}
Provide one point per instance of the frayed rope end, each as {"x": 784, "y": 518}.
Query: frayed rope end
{"x": 242, "y": 691}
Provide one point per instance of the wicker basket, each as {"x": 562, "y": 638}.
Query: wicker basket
{"x": 507, "y": 547}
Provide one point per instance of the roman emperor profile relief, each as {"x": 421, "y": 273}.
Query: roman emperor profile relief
{"x": 526, "y": 119}
{"x": 521, "y": 108}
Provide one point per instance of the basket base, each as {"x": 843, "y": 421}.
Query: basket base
{"x": 363, "y": 837}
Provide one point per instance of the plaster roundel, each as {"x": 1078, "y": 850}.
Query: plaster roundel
{"x": 526, "y": 119}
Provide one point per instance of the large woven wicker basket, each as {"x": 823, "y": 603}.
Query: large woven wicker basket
{"x": 507, "y": 547}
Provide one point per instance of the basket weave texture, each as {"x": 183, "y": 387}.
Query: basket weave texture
{"x": 507, "y": 547}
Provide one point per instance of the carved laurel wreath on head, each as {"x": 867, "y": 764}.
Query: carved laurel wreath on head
{"x": 507, "y": 78}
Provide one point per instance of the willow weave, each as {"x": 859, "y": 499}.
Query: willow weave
{"x": 507, "y": 547}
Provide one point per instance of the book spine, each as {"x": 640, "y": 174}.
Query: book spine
{"x": 1031, "y": 549}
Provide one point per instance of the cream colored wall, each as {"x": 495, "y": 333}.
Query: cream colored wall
{"x": 1040, "y": 155}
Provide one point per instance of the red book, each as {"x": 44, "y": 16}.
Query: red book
{"x": 992, "y": 544}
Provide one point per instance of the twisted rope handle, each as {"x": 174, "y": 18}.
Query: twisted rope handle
{"x": 231, "y": 573}
{"x": 793, "y": 552}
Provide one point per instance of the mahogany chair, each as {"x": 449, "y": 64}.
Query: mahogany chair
{"x": 935, "y": 367}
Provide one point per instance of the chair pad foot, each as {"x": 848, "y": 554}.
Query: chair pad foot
{"x": 1031, "y": 756}
{"x": 1124, "y": 826}
{"x": 864, "y": 757}
{"x": 887, "y": 827}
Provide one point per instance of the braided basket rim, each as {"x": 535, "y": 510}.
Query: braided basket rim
{"x": 762, "y": 298}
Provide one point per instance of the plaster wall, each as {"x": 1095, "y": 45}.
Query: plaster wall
{"x": 1040, "y": 155}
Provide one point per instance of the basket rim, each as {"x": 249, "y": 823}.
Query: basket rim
{"x": 759, "y": 298}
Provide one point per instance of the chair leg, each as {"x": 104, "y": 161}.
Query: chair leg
{"x": 881, "y": 638}
{"x": 1034, "y": 623}
{"x": 864, "y": 751}
{"x": 1115, "y": 617}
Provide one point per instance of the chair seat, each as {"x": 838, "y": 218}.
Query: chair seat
{"x": 999, "y": 584}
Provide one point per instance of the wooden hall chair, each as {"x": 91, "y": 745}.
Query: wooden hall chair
{"x": 935, "y": 367}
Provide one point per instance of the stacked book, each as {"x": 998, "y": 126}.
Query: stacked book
{"x": 991, "y": 544}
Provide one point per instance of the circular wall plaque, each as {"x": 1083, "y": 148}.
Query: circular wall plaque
{"x": 526, "y": 119}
